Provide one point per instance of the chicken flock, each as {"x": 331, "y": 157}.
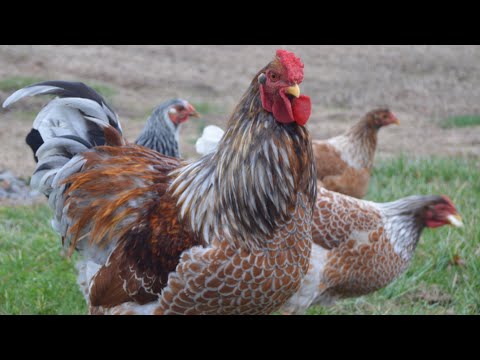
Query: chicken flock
{"x": 266, "y": 220}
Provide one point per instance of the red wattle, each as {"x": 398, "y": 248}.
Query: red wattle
{"x": 282, "y": 111}
{"x": 302, "y": 109}
{"x": 285, "y": 110}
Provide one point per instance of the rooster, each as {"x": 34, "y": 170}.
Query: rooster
{"x": 161, "y": 132}
{"x": 344, "y": 163}
{"x": 361, "y": 246}
{"x": 227, "y": 234}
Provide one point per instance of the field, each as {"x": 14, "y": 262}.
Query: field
{"x": 443, "y": 278}
{"x": 433, "y": 90}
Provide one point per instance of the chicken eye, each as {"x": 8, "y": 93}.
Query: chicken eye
{"x": 273, "y": 77}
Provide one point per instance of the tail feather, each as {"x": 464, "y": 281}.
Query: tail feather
{"x": 65, "y": 89}
{"x": 60, "y": 146}
{"x": 34, "y": 141}
{"x": 52, "y": 162}
{"x": 72, "y": 167}
{"x": 37, "y": 89}
{"x": 74, "y": 122}
{"x": 72, "y": 116}
{"x": 42, "y": 180}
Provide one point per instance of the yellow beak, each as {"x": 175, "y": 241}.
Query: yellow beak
{"x": 192, "y": 111}
{"x": 293, "y": 90}
{"x": 195, "y": 114}
{"x": 455, "y": 220}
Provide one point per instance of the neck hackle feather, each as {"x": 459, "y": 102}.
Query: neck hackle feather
{"x": 248, "y": 187}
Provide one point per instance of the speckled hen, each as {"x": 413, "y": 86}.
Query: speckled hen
{"x": 362, "y": 246}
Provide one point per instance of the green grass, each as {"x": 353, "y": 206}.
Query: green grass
{"x": 205, "y": 108}
{"x": 36, "y": 279}
{"x": 198, "y": 126}
{"x": 103, "y": 89}
{"x": 14, "y": 83}
{"x": 27, "y": 116}
{"x": 433, "y": 284}
{"x": 461, "y": 121}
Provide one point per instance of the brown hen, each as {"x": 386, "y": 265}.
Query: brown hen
{"x": 344, "y": 163}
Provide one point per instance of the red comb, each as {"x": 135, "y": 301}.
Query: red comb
{"x": 292, "y": 64}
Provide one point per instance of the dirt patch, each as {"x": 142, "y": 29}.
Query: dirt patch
{"x": 432, "y": 295}
{"x": 421, "y": 84}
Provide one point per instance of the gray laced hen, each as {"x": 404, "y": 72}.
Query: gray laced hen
{"x": 162, "y": 130}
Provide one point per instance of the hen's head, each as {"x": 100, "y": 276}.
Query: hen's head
{"x": 280, "y": 91}
{"x": 377, "y": 119}
{"x": 441, "y": 212}
{"x": 179, "y": 111}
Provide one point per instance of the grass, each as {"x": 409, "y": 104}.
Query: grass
{"x": 444, "y": 277}
{"x": 105, "y": 90}
{"x": 206, "y": 111}
{"x": 14, "y": 83}
{"x": 461, "y": 121}
{"x": 205, "y": 108}
{"x": 34, "y": 277}
{"x": 27, "y": 116}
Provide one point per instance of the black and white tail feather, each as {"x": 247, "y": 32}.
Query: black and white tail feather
{"x": 70, "y": 124}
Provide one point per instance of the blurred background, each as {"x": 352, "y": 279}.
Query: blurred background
{"x": 426, "y": 86}
{"x": 433, "y": 90}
